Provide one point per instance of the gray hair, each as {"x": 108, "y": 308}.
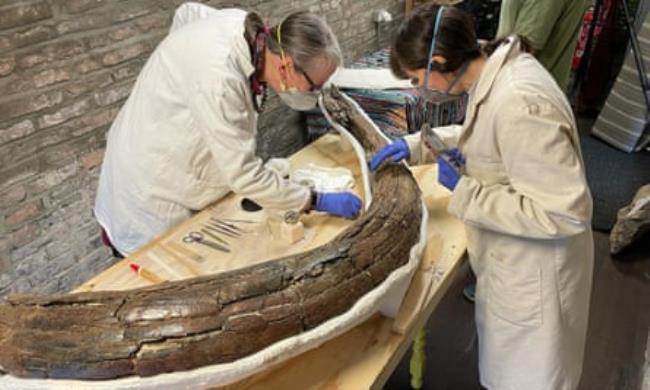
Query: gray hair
{"x": 308, "y": 40}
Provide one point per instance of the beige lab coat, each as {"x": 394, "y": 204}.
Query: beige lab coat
{"x": 186, "y": 135}
{"x": 527, "y": 211}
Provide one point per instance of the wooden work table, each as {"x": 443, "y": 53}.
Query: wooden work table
{"x": 365, "y": 356}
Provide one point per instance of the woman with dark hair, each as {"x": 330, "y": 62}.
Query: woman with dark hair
{"x": 518, "y": 183}
{"x": 186, "y": 135}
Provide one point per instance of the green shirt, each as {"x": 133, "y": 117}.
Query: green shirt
{"x": 551, "y": 27}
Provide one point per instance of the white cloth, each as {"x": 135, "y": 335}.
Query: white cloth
{"x": 368, "y": 79}
{"x": 527, "y": 211}
{"x": 186, "y": 135}
{"x": 323, "y": 179}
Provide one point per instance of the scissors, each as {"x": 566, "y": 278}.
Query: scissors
{"x": 199, "y": 238}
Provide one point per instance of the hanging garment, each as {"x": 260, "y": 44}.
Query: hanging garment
{"x": 551, "y": 28}
{"x": 623, "y": 121}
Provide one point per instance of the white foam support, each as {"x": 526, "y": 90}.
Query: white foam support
{"x": 358, "y": 149}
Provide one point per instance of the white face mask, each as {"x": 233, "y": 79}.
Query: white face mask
{"x": 298, "y": 100}
{"x": 292, "y": 97}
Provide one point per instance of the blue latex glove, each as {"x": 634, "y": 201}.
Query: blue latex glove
{"x": 398, "y": 151}
{"x": 343, "y": 204}
{"x": 449, "y": 168}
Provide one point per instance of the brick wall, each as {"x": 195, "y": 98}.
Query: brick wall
{"x": 66, "y": 67}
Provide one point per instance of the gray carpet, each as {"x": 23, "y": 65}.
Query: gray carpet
{"x": 614, "y": 176}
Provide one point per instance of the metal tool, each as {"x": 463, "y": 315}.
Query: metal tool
{"x": 213, "y": 236}
{"x": 239, "y": 220}
{"x": 291, "y": 217}
{"x": 220, "y": 230}
{"x": 199, "y": 238}
{"x": 433, "y": 141}
{"x": 228, "y": 226}
{"x": 223, "y": 222}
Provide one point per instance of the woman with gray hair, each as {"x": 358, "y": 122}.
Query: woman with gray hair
{"x": 185, "y": 137}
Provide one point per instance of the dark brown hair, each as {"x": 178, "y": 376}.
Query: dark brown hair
{"x": 456, "y": 40}
{"x": 253, "y": 24}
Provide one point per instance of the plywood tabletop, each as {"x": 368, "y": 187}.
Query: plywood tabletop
{"x": 361, "y": 358}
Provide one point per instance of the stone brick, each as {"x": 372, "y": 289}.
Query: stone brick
{"x": 5, "y": 280}
{"x": 24, "y": 213}
{"x": 83, "y": 269}
{"x": 18, "y": 130}
{"x": 99, "y": 41}
{"x": 52, "y": 178}
{"x": 130, "y": 10}
{"x": 36, "y": 266}
{"x": 30, "y": 104}
{"x": 115, "y": 94}
{"x": 123, "y": 54}
{"x": 5, "y": 244}
{"x": 123, "y": 33}
{"x": 76, "y": 6}
{"x": 89, "y": 84}
{"x": 15, "y": 84}
{"x": 63, "y": 114}
{"x": 128, "y": 70}
{"x": 7, "y": 65}
{"x": 67, "y": 152}
{"x": 23, "y": 13}
{"x": 12, "y": 196}
{"x": 152, "y": 22}
{"x": 85, "y": 23}
{"x": 87, "y": 65}
{"x": 52, "y": 52}
{"x": 50, "y": 76}
{"x": 5, "y": 43}
{"x": 67, "y": 197}
{"x": 19, "y": 173}
{"x": 92, "y": 159}
{"x": 26, "y": 147}
{"x": 32, "y": 36}
{"x": 92, "y": 122}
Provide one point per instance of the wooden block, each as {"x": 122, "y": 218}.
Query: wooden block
{"x": 287, "y": 233}
{"x": 291, "y": 233}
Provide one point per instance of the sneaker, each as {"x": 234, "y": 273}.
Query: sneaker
{"x": 469, "y": 292}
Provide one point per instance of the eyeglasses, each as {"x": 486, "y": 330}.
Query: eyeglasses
{"x": 312, "y": 86}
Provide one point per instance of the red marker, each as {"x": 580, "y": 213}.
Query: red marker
{"x": 148, "y": 275}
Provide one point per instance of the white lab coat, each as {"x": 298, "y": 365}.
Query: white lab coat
{"x": 527, "y": 211}
{"x": 186, "y": 135}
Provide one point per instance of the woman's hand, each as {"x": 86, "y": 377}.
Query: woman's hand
{"x": 398, "y": 151}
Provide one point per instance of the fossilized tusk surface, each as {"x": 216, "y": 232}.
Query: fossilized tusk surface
{"x": 236, "y": 320}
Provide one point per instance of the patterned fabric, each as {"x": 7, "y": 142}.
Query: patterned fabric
{"x": 386, "y": 107}
{"x": 623, "y": 121}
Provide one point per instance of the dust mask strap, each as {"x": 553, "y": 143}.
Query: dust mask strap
{"x": 432, "y": 47}
{"x": 283, "y": 58}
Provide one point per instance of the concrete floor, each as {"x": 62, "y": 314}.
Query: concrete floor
{"x": 617, "y": 337}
